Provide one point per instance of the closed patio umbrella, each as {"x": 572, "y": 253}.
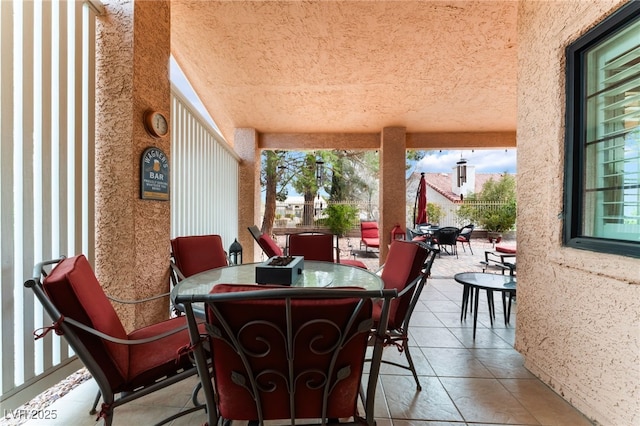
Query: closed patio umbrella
{"x": 421, "y": 201}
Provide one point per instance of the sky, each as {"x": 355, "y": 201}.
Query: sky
{"x": 484, "y": 160}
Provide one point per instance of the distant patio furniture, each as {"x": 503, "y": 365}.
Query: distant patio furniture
{"x": 318, "y": 246}
{"x": 446, "y": 237}
{"x": 503, "y": 257}
{"x": 464, "y": 236}
{"x": 369, "y": 235}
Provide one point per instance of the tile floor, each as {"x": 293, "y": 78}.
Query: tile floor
{"x": 464, "y": 381}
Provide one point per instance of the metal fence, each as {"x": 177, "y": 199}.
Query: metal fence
{"x": 290, "y": 215}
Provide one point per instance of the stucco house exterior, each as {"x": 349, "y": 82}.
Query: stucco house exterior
{"x": 578, "y": 310}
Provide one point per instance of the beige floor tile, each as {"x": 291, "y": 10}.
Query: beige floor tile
{"x": 503, "y": 363}
{"x": 545, "y": 405}
{"x": 429, "y": 337}
{"x": 432, "y": 403}
{"x": 392, "y": 354}
{"x": 485, "y": 400}
{"x": 425, "y": 319}
{"x": 452, "y": 362}
{"x": 485, "y": 338}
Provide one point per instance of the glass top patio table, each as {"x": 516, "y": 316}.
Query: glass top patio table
{"x": 314, "y": 274}
{"x": 476, "y": 281}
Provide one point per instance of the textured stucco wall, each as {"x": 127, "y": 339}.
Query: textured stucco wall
{"x": 393, "y": 184}
{"x": 132, "y": 243}
{"x": 578, "y": 311}
{"x": 246, "y": 146}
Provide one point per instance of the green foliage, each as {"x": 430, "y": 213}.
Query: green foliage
{"x": 493, "y": 218}
{"x": 434, "y": 213}
{"x": 340, "y": 218}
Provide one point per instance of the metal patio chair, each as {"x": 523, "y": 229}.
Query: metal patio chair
{"x": 125, "y": 366}
{"x": 286, "y": 353}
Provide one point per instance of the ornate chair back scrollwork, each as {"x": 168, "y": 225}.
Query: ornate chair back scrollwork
{"x": 284, "y": 353}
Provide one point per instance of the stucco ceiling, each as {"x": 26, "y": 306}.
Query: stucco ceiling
{"x": 357, "y": 66}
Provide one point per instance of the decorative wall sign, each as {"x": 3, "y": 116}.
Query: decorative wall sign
{"x": 154, "y": 179}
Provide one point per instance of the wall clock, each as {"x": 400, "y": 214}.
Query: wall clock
{"x": 156, "y": 124}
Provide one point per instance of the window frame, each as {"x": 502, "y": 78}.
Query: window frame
{"x": 575, "y": 147}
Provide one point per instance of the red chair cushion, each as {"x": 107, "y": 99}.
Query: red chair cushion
{"x": 506, "y": 249}
{"x": 403, "y": 265}
{"x": 149, "y": 361}
{"x": 312, "y": 246}
{"x": 235, "y": 401}
{"x": 371, "y": 242}
{"x": 198, "y": 253}
{"x": 269, "y": 246}
{"x": 73, "y": 288}
{"x": 353, "y": 262}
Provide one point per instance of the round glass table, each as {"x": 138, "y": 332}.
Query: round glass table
{"x": 473, "y": 282}
{"x": 314, "y": 274}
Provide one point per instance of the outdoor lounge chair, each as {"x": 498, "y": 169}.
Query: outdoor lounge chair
{"x": 369, "y": 235}
{"x": 126, "y": 366}
{"x": 503, "y": 256}
{"x": 287, "y": 353}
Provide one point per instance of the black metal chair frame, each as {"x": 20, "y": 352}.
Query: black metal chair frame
{"x": 400, "y": 336}
{"x": 287, "y": 295}
{"x": 466, "y": 235}
{"x": 69, "y": 327}
{"x": 451, "y": 234}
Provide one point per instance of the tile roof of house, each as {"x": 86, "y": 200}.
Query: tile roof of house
{"x": 441, "y": 183}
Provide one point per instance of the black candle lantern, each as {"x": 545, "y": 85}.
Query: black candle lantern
{"x": 235, "y": 253}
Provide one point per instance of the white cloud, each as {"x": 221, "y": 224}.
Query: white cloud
{"x": 485, "y": 160}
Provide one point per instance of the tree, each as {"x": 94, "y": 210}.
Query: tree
{"x": 306, "y": 183}
{"x": 499, "y": 218}
{"x": 274, "y": 177}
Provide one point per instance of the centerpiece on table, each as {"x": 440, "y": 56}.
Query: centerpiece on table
{"x": 285, "y": 270}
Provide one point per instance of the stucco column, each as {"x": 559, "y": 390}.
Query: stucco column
{"x": 132, "y": 235}
{"x": 393, "y": 192}
{"x": 246, "y": 146}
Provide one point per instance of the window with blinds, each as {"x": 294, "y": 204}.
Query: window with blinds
{"x": 602, "y": 185}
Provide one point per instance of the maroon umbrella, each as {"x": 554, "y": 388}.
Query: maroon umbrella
{"x": 421, "y": 201}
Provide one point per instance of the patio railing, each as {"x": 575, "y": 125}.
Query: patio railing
{"x": 290, "y": 215}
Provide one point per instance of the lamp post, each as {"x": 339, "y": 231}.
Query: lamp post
{"x": 319, "y": 178}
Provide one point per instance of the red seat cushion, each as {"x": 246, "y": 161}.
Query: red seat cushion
{"x": 353, "y": 262}
{"x": 371, "y": 242}
{"x": 403, "y": 265}
{"x": 159, "y": 358}
{"x": 370, "y": 234}
{"x": 73, "y": 288}
{"x": 198, "y": 253}
{"x": 269, "y": 246}
{"x": 506, "y": 249}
